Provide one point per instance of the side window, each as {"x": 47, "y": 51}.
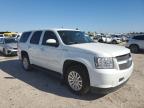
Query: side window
{"x": 36, "y": 37}
{"x": 139, "y": 37}
{"x": 25, "y": 37}
{"x": 142, "y": 37}
{"x": 50, "y": 35}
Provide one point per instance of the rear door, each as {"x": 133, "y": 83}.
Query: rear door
{"x": 33, "y": 47}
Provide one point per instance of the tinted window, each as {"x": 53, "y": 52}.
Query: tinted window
{"x": 73, "y": 37}
{"x": 139, "y": 37}
{"x": 49, "y": 35}
{"x": 25, "y": 37}
{"x": 36, "y": 37}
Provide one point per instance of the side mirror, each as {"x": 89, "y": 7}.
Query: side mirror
{"x": 52, "y": 42}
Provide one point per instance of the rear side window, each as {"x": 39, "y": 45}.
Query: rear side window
{"x": 141, "y": 37}
{"x": 25, "y": 37}
{"x": 36, "y": 37}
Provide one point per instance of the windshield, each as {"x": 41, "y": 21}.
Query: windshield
{"x": 10, "y": 41}
{"x": 74, "y": 37}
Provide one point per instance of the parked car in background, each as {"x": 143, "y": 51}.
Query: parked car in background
{"x": 8, "y": 46}
{"x": 105, "y": 39}
{"x": 2, "y": 36}
{"x": 116, "y": 39}
{"x": 136, "y": 43}
{"x": 124, "y": 38}
{"x": 82, "y": 64}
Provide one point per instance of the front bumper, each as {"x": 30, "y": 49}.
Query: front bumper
{"x": 109, "y": 78}
{"x": 106, "y": 90}
{"x": 11, "y": 51}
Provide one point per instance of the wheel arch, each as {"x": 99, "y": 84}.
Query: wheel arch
{"x": 135, "y": 45}
{"x": 24, "y": 53}
{"x": 67, "y": 63}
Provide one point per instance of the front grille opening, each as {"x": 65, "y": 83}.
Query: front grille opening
{"x": 126, "y": 58}
{"x": 123, "y": 57}
{"x": 125, "y": 65}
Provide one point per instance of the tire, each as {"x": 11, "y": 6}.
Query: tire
{"x": 26, "y": 63}
{"x": 80, "y": 73}
{"x": 101, "y": 41}
{"x": 134, "y": 48}
{"x": 114, "y": 42}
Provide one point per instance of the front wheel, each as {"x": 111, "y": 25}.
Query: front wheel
{"x": 77, "y": 80}
{"x": 134, "y": 48}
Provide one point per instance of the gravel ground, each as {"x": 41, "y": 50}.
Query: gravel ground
{"x": 38, "y": 89}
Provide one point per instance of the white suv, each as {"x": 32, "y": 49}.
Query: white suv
{"x": 83, "y": 64}
{"x": 136, "y": 43}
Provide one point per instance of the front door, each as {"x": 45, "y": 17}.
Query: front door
{"x": 50, "y": 54}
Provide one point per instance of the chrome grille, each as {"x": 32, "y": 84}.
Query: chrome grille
{"x": 123, "y": 57}
{"x": 125, "y": 65}
{"x": 124, "y": 61}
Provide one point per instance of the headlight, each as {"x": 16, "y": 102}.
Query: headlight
{"x": 104, "y": 63}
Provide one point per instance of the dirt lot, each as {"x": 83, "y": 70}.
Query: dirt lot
{"x": 37, "y": 89}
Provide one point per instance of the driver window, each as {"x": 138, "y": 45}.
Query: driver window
{"x": 49, "y": 35}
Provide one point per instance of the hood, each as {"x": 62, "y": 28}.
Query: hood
{"x": 101, "y": 49}
{"x": 13, "y": 45}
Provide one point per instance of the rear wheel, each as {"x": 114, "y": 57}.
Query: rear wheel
{"x": 134, "y": 48}
{"x": 77, "y": 79}
{"x": 26, "y": 63}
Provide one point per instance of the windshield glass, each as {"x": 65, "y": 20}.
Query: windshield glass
{"x": 10, "y": 41}
{"x": 74, "y": 37}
